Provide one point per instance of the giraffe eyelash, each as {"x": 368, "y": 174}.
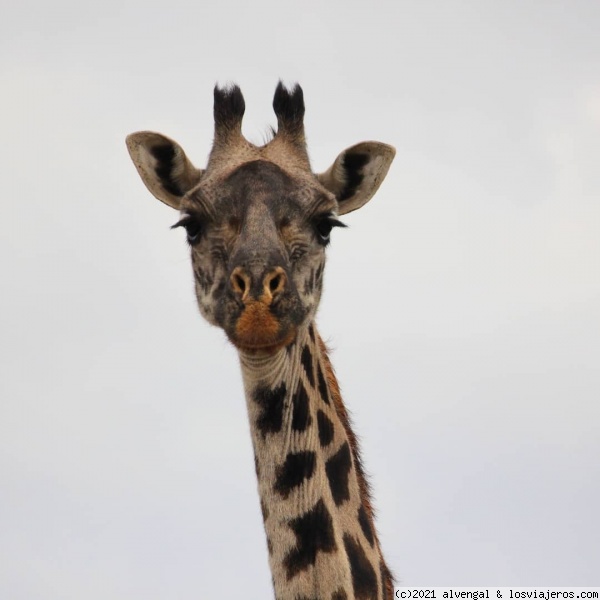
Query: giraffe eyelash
{"x": 192, "y": 226}
{"x": 323, "y": 226}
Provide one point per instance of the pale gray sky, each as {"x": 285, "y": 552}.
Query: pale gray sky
{"x": 468, "y": 353}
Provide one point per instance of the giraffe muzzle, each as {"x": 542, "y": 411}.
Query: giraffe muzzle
{"x": 266, "y": 288}
{"x": 259, "y": 292}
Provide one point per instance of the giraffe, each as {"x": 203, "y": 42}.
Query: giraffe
{"x": 258, "y": 221}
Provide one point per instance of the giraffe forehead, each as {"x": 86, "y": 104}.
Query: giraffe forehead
{"x": 284, "y": 192}
{"x": 261, "y": 180}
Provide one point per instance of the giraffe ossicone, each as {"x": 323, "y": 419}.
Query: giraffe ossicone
{"x": 258, "y": 221}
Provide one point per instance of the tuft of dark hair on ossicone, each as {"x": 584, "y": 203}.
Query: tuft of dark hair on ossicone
{"x": 229, "y": 107}
{"x": 289, "y": 108}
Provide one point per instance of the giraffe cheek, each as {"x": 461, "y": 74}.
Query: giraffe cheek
{"x": 206, "y": 310}
{"x": 208, "y": 305}
{"x": 310, "y": 289}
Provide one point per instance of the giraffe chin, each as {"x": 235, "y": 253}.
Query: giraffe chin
{"x": 258, "y": 331}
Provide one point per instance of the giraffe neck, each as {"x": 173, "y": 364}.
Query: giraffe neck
{"x": 314, "y": 499}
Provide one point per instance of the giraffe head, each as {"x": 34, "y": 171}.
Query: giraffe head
{"x": 257, "y": 218}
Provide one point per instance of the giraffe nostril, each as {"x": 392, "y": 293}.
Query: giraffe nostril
{"x": 274, "y": 283}
{"x": 239, "y": 283}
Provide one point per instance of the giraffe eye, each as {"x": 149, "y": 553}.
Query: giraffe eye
{"x": 323, "y": 227}
{"x": 193, "y": 228}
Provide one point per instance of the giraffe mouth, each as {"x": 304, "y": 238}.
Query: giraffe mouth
{"x": 267, "y": 348}
{"x": 258, "y": 330}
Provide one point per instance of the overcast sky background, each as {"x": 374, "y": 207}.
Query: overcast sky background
{"x": 462, "y": 304}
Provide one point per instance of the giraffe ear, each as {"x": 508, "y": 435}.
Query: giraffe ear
{"x": 357, "y": 173}
{"x": 163, "y": 166}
